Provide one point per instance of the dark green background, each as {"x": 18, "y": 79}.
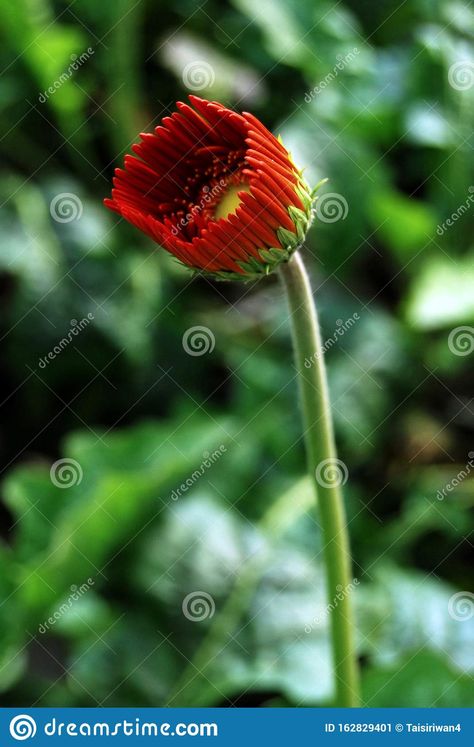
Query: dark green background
{"x": 137, "y": 412}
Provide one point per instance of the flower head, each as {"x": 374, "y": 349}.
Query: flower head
{"x": 217, "y": 190}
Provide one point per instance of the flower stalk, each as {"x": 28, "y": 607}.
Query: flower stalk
{"x": 218, "y": 191}
{"x": 325, "y": 468}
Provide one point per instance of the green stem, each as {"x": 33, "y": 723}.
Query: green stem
{"x": 327, "y": 471}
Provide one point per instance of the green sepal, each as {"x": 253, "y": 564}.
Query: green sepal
{"x": 273, "y": 256}
{"x": 287, "y": 239}
{"x": 318, "y": 185}
{"x": 297, "y": 215}
{"x": 251, "y": 265}
{"x": 301, "y": 221}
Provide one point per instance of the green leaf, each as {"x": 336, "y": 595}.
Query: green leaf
{"x": 127, "y": 477}
{"x": 441, "y": 294}
{"x": 13, "y": 662}
{"x": 405, "y": 224}
{"x": 405, "y": 612}
{"x": 422, "y": 680}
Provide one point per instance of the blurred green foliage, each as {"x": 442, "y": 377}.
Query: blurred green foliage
{"x": 137, "y": 413}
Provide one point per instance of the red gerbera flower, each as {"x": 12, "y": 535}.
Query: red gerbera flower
{"x": 217, "y": 190}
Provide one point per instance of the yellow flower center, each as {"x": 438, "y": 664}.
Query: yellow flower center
{"x": 230, "y": 200}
